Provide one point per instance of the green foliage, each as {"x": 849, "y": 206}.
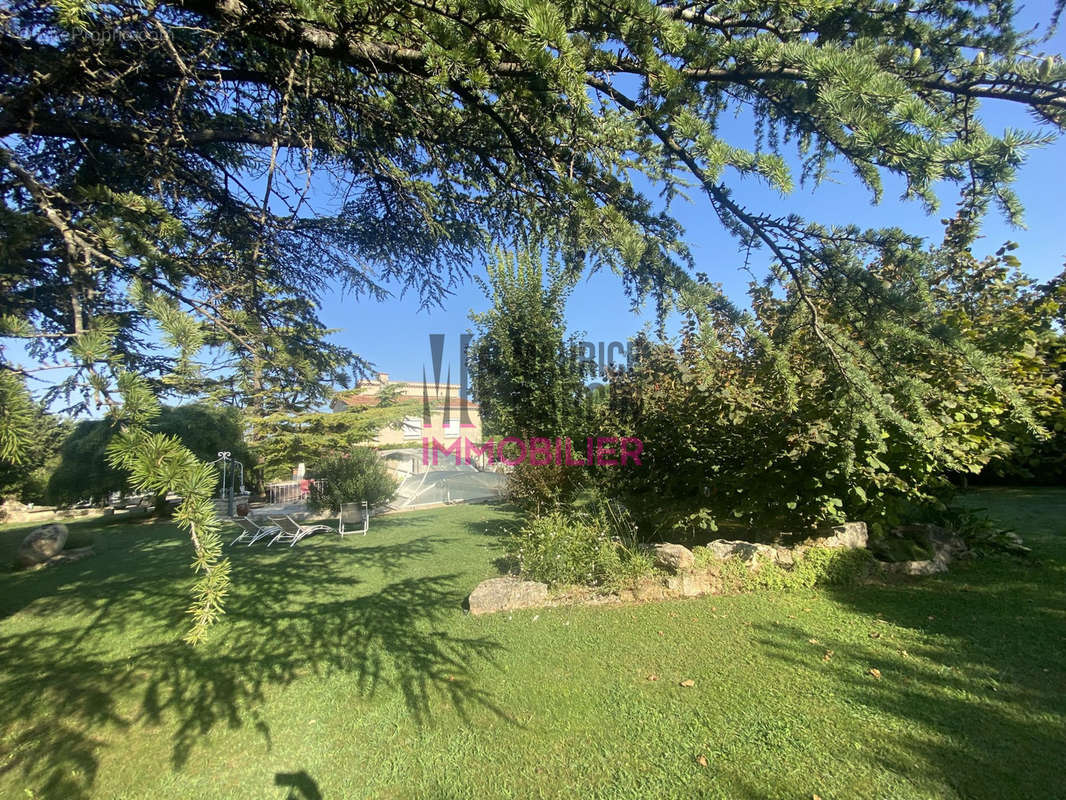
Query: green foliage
{"x": 16, "y": 418}
{"x": 84, "y": 469}
{"x": 633, "y": 567}
{"x": 560, "y": 548}
{"x": 818, "y": 566}
{"x": 526, "y": 374}
{"x": 538, "y": 489}
{"x": 283, "y": 440}
{"x": 982, "y": 534}
{"x": 159, "y": 463}
{"x": 351, "y": 478}
{"x": 32, "y": 439}
{"x": 205, "y": 430}
{"x": 777, "y": 418}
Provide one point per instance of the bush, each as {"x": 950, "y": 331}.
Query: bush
{"x": 560, "y": 549}
{"x": 351, "y": 478}
{"x": 540, "y": 489}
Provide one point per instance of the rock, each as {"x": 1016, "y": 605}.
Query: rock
{"x": 693, "y": 584}
{"x": 785, "y": 556}
{"x": 749, "y": 552}
{"x": 506, "y": 594}
{"x": 649, "y": 590}
{"x": 672, "y": 557}
{"x": 14, "y": 511}
{"x": 42, "y": 545}
{"x": 928, "y": 567}
{"x": 850, "y": 535}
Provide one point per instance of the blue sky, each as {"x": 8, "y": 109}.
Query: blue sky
{"x": 394, "y": 334}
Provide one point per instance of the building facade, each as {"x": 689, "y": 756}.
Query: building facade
{"x": 446, "y": 422}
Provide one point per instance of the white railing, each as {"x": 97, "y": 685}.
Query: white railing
{"x": 290, "y": 492}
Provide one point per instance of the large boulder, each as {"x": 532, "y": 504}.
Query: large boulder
{"x": 507, "y": 594}
{"x": 850, "y": 535}
{"x": 672, "y": 557}
{"x": 42, "y": 545}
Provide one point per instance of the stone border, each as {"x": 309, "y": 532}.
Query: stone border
{"x": 509, "y": 593}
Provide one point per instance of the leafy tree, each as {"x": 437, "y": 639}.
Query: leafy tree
{"x": 16, "y": 418}
{"x": 85, "y": 469}
{"x": 83, "y": 472}
{"x": 351, "y": 477}
{"x": 205, "y": 430}
{"x": 284, "y": 440}
{"x": 525, "y": 372}
{"x": 755, "y": 417}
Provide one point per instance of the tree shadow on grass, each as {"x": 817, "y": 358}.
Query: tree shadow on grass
{"x": 301, "y": 786}
{"x": 971, "y": 674}
{"x": 294, "y": 614}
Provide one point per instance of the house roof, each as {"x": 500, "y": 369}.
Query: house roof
{"x": 364, "y": 400}
{"x": 358, "y": 399}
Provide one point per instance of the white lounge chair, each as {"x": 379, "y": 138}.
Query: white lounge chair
{"x": 353, "y": 518}
{"x": 251, "y": 531}
{"x": 292, "y": 531}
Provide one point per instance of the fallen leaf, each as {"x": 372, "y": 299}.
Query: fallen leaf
{"x": 653, "y": 677}
{"x": 875, "y": 635}
{"x": 815, "y": 797}
{"x": 828, "y": 655}
{"x": 875, "y": 672}
{"x": 813, "y": 641}
{"x": 702, "y": 760}
{"x": 688, "y": 683}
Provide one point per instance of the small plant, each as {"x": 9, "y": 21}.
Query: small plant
{"x": 351, "y": 478}
{"x": 982, "y": 535}
{"x": 633, "y": 566}
{"x": 703, "y": 557}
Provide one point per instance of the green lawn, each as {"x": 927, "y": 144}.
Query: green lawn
{"x": 346, "y": 669}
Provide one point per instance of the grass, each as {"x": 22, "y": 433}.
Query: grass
{"x": 346, "y": 669}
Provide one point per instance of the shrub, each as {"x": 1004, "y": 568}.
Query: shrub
{"x": 558, "y": 549}
{"x": 540, "y": 489}
{"x": 351, "y": 478}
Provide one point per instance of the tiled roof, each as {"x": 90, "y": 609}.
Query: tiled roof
{"x": 372, "y": 400}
